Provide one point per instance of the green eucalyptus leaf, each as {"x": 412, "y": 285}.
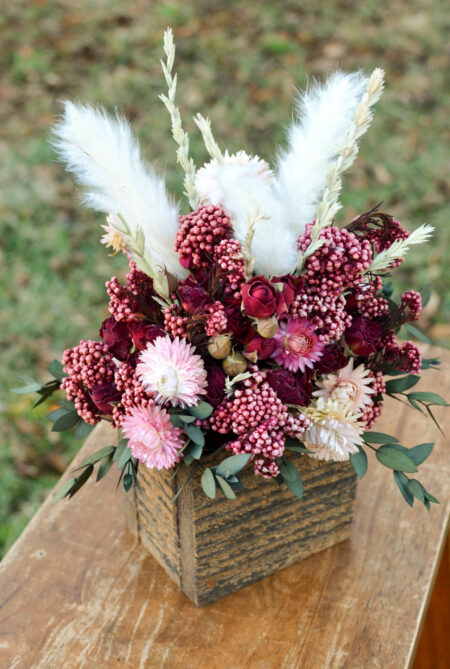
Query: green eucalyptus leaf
{"x": 425, "y": 294}
{"x": 296, "y": 487}
{"x": 402, "y": 482}
{"x": 56, "y": 370}
{"x": 105, "y": 466}
{"x": 194, "y": 451}
{"x": 430, "y": 363}
{"x": 424, "y": 396}
{"x": 202, "y": 410}
{"x": 57, "y": 413}
{"x": 176, "y": 421}
{"x": 122, "y": 445}
{"x": 195, "y": 434}
{"x": 208, "y": 483}
{"x": 401, "y": 384}
{"x": 66, "y": 422}
{"x": 81, "y": 480}
{"x": 359, "y": 462}
{"x": 416, "y": 489}
{"x": 232, "y": 465}
{"x": 420, "y": 453}
{"x": 128, "y": 482}
{"x": 98, "y": 455}
{"x": 65, "y": 489}
{"x": 187, "y": 419}
{"x": 379, "y": 438}
{"x": 288, "y": 470}
{"x": 124, "y": 457}
{"x": 226, "y": 488}
{"x": 395, "y": 459}
{"x": 415, "y": 332}
{"x": 31, "y": 387}
{"x": 430, "y": 498}
{"x": 83, "y": 429}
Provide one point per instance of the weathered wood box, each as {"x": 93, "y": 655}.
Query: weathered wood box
{"x": 212, "y": 548}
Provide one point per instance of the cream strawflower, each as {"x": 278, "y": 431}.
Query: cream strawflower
{"x": 350, "y": 386}
{"x": 112, "y": 236}
{"x": 335, "y": 430}
{"x": 172, "y": 372}
{"x": 207, "y": 179}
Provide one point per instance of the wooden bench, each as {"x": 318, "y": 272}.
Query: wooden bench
{"x": 76, "y": 590}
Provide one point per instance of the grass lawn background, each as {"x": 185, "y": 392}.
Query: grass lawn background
{"x": 238, "y": 63}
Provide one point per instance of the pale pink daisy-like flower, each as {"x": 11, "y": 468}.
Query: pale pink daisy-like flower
{"x": 207, "y": 179}
{"x": 172, "y": 372}
{"x": 349, "y": 386}
{"x": 112, "y": 237}
{"x": 151, "y": 436}
{"x": 335, "y": 431}
{"x": 298, "y": 345}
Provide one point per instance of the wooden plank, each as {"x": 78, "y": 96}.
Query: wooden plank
{"x": 77, "y": 590}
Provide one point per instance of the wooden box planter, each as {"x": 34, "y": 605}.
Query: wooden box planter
{"x": 213, "y": 547}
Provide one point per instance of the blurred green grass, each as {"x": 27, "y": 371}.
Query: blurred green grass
{"x": 238, "y": 63}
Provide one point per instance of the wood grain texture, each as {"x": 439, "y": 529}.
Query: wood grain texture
{"x": 218, "y": 546}
{"x": 77, "y": 590}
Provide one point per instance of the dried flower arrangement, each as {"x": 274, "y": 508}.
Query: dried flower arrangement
{"x": 252, "y": 319}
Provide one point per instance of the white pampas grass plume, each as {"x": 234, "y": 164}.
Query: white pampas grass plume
{"x": 400, "y": 247}
{"x": 324, "y": 115}
{"x": 247, "y": 196}
{"x": 105, "y": 158}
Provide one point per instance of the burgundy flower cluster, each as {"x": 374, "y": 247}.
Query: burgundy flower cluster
{"x": 282, "y": 334}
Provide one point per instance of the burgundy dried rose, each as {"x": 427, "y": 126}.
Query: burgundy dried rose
{"x": 262, "y": 347}
{"x": 116, "y": 335}
{"x": 363, "y": 336}
{"x": 193, "y": 297}
{"x": 259, "y": 297}
{"x": 104, "y": 397}
{"x": 287, "y": 295}
{"x": 332, "y": 359}
{"x": 236, "y": 323}
{"x": 144, "y": 333}
{"x": 216, "y": 383}
{"x": 291, "y": 388}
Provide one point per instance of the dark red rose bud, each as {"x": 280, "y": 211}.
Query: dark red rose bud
{"x": 104, "y": 396}
{"x": 262, "y": 347}
{"x": 116, "y": 335}
{"x": 291, "y": 388}
{"x": 332, "y": 359}
{"x": 287, "y": 294}
{"x": 193, "y": 297}
{"x": 259, "y": 298}
{"x": 363, "y": 336}
{"x": 216, "y": 383}
{"x": 144, "y": 333}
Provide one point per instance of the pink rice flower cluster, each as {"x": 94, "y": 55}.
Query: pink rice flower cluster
{"x": 151, "y": 436}
{"x": 230, "y": 260}
{"x": 198, "y": 235}
{"x": 371, "y": 414}
{"x": 298, "y": 346}
{"x": 406, "y": 358}
{"x": 133, "y": 392}
{"x": 216, "y": 320}
{"x": 261, "y": 422}
{"x": 368, "y": 301}
{"x": 122, "y": 304}
{"x": 411, "y": 305}
{"x": 338, "y": 264}
{"x": 326, "y": 312}
{"x": 138, "y": 282}
{"x": 381, "y": 230}
{"x": 87, "y": 365}
{"x": 176, "y": 321}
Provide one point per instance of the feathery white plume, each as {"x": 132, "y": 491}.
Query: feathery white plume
{"x": 247, "y": 196}
{"x": 105, "y": 158}
{"x": 400, "y": 247}
{"x": 324, "y": 115}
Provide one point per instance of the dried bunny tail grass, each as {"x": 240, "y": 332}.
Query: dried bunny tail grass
{"x": 180, "y": 136}
{"x": 400, "y": 247}
{"x": 204, "y": 125}
{"x": 329, "y": 205}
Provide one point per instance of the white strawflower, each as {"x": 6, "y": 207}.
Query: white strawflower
{"x": 349, "y": 386}
{"x": 335, "y": 431}
{"x": 207, "y": 180}
{"x": 172, "y": 372}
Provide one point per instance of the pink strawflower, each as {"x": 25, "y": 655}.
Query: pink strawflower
{"x": 151, "y": 436}
{"x": 298, "y": 346}
{"x": 172, "y": 372}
